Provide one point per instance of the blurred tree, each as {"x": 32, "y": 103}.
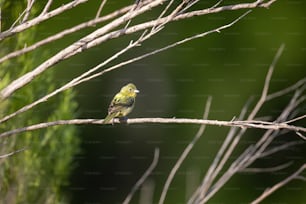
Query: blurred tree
{"x": 37, "y": 174}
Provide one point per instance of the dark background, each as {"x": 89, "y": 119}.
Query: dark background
{"x": 229, "y": 66}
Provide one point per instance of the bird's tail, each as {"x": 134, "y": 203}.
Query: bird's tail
{"x": 108, "y": 118}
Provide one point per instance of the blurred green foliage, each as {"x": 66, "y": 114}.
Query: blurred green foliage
{"x": 37, "y": 174}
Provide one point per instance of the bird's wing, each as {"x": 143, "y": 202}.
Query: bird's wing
{"x": 120, "y": 102}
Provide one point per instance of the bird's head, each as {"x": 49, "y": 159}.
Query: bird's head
{"x": 130, "y": 90}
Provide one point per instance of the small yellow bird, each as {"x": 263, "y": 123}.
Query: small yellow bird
{"x": 122, "y": 103}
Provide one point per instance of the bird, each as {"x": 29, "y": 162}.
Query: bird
{"x": 122, "y": 103}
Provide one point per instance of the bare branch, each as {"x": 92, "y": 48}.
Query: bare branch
{"x": 280, "y": 148}
{"x": 286, "y": 90}
{"x": 39, "y": 19}
{"x": 267, "y": 83}
{"x": 68, "y": 85}
{"x": 296, "y": 119}
{"x": 219, "y": 161}
{"x": 46, "y": 8}
{"x": 144, "y": 177}
{"x": 185, "y": 153}
{"x": 82, "y": 78}
{"x": 224, "y": 8}
{"x": 301, "y": 136}
{"x": 64, "y": 33}
{"x": 270, "y": 169}
{"x": 100, "y": 8}
{"x": 240, "y": 124}
{"x": 160, "y": 50}
{"x": 271, "y": 190}
{"x": 98, "y": 37}
{"x": 206, "y": 191}
{"x": 28, "y": 10}
{"x": 71, "y": 50}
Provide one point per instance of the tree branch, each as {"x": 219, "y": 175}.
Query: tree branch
{"x": 241, "y": 124}
{"x": 39, "y": 19}
{"x": 84, "y": 77}
{"x": 269, "y": 169}
{"x": 205, "y": 191}
{"x": 267, "y": 83}
{"x": 97, "y": 37}
{"x": 74, "y": 48}
{"x": 64, "y": 33}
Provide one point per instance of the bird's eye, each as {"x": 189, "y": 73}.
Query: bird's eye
{"x": 130, "y": 89}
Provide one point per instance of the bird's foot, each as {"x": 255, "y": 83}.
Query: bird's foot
{"x": 123, "y": 120}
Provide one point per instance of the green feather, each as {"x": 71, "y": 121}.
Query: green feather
{"x": 109, "y": 117}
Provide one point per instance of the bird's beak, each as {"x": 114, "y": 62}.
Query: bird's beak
{"x": 136, "y": 91}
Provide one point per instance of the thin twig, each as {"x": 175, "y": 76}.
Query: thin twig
{"x": 28, "y": 10}
{"x": 280, "y": 148}
{"x": 223, "y": 8}
{"x": 271, "y": 190}
{"x": 100, "y": 8}
{"x": 270, "y": 169}
{"x": 143, "y": 177}
{"x": 39, "y": 19}
{"x": 286, "y": 90}
{"x": 296, "y": 119}
{"x": 46, "y": 8}
{"x": 185, "y": 153}
{"x": 301, "y": 136}
{"x": 267, "y": 83}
